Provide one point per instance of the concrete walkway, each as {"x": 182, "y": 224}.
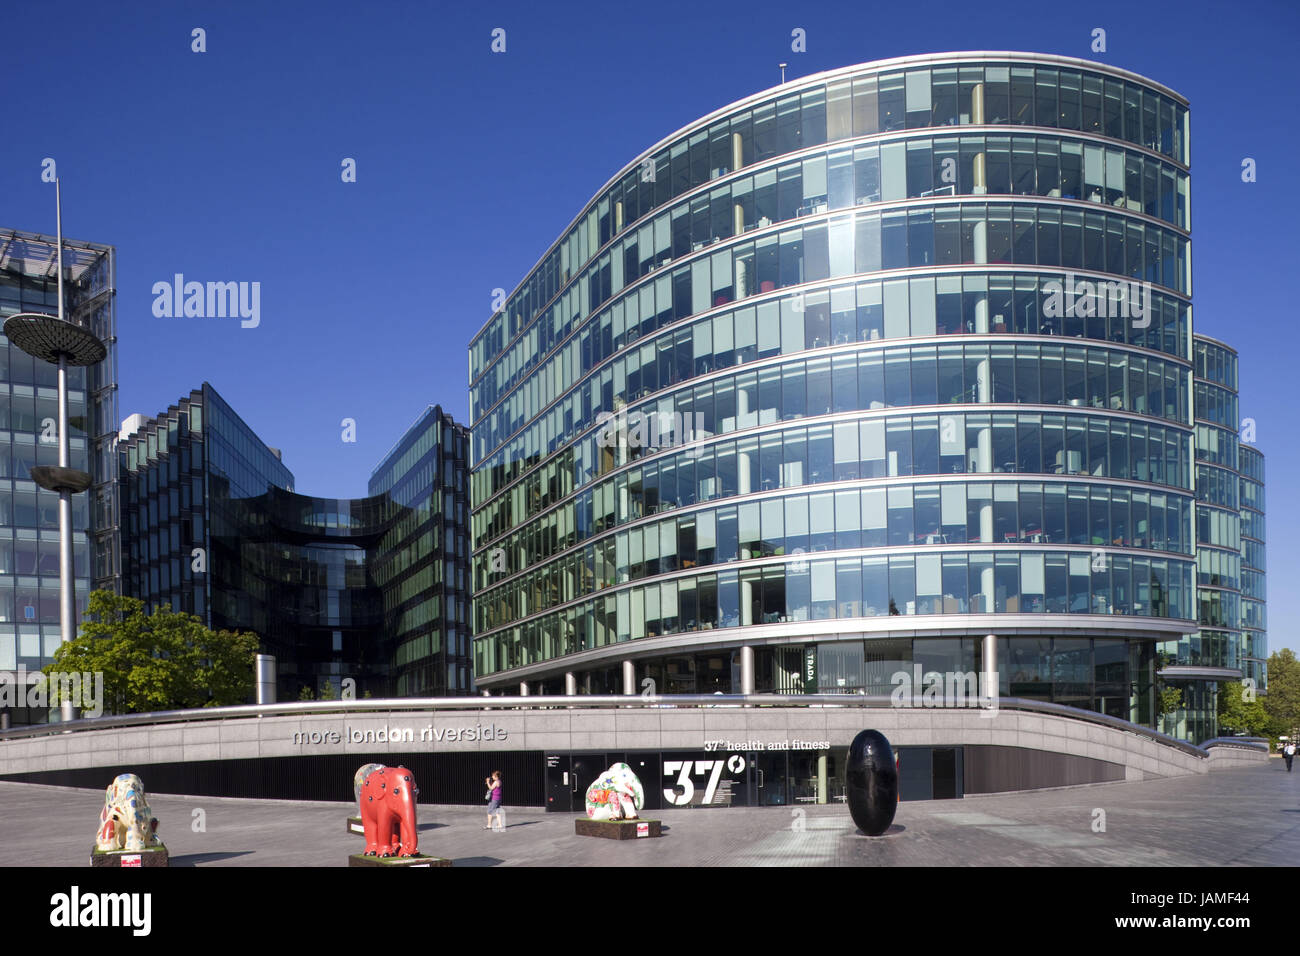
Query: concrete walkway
{"x": 1232, "y": 818}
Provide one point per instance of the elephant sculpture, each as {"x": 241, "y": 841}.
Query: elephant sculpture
{"x": 360, "y": 778}
{"x": 387, "y": 803}
{"x": 617, "y": 794}
{"x": 126, "y": 822}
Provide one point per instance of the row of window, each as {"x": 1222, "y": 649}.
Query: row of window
{"x": 26, "y": 551}
{"x": 1215, "y": 363}
{"x": 943, "y": 97}
{"x": 1215, "y": 403}
{"x": 1216, "y": 445}
{"x": 1252, "y": 525}
{"x": 19, "y": 452}
{"x": 1219, "y": 569}
{"x": 869, "y": 379}
{"x": 947, "y": 235}
{"x": 899, "y": 516}
{"x": 20, "y": 369}
{"x": 1252, "y": 554}
{"x": 906, "y": 585}
{"x": 1218, "y": 528}
{"x": 1200, "y": 649}
{"x": 24, "y": 505}
{"x": 1218, "y": 608}
{"x": 1252, "y": 469}
{"x": 907, "y": 445}
{"x": 865, "y": 311}
{"x": 915, "y": 169}
{"x": 30, "y": 644}
{"x": 1217, "y": 486}
{"x": 1253, "y": 614}
{"x": 1040, "y": 667}
{"x": 1253, "y": 584}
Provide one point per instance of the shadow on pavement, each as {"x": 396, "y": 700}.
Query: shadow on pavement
{"x": 194, "y": 859}
{"x": 894, "y": 830}
{"x": 477, "y": 861}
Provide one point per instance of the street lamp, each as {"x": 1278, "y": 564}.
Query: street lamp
{"x": 56, "y": 340}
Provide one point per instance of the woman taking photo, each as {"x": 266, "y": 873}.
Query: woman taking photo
{"x": 494, "y": 799}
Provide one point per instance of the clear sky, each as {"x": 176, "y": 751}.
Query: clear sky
{"x": 225, "y": 166}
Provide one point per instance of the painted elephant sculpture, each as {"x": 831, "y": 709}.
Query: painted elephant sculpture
{"x": 360, "y": 778}
{"x": 387, "y": 804}
{"x": 126, "y": 822}
{"x": 617, "y": 794}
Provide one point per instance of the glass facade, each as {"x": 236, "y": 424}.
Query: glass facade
{"x": 421, "y": 562}
{"x": 1229, "y": 478}
{"x": 851, "y": 373}
{"x": 1254, "y": 621}
{"x": 29, "y": 519}
{"x": 335, "y": 588}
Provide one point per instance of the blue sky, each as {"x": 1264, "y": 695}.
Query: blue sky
{"x": 225, "y": 166}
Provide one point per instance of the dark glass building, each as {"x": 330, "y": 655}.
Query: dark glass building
{"x": 845, "y": 376}
{"x": 420, "y": 564}
{"x": 29, "y": 516}
{"x": 212, "y": 526}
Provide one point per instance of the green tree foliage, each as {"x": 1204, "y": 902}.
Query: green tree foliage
{"x": 1169, "y": 699}
{"x": 1237, "y": 713}
{"x": 1282, "y": 702}
{"x": 160, "y": 661}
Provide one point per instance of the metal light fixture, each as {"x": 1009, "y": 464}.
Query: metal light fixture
{"x": 58, "y": 341}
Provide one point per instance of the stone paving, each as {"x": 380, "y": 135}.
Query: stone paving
{"x": 1240, "y": 817}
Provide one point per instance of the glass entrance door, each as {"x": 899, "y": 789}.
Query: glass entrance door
{"x": 768, "y": 779}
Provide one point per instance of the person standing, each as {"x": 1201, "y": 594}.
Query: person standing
{"x": 494, "y": 799}
{"x": 1288, "y": 754}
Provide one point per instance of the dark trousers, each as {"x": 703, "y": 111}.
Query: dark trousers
{"x": 1288, "y": 758}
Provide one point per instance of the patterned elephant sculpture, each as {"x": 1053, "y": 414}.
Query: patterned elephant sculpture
{"x": 617, "y": 794}
{"x": 387, "y": 803}
{"x": 126, "y": 822}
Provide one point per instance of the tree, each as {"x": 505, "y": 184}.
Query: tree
{"x": 1237, "y": 713}
{"x": 1282, "y": 702}
{"x": 166, "y": 660}
{"x": 1169, "y": 699}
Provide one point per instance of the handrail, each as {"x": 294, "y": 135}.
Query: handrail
{"x": 204, "y": 714}
{"x": 1246, "y": 743}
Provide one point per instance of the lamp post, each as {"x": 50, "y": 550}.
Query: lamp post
{"x": 56, "y": 340}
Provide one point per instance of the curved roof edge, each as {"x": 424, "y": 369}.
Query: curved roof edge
{"x": 813, "y": 79}
{"x": 1213, "y": 341}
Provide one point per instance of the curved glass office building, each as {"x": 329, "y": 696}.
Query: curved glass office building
{"x": 840, "y": 379}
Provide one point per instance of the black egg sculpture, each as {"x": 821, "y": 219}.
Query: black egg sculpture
{"x": 871, "y": 780}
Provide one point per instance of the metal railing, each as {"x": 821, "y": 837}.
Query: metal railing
{"x": 659, "y": 702}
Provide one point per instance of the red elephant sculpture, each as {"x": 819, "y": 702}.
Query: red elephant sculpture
{"x": 387, "y": 802}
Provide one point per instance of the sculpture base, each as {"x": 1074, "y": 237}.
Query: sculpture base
{"x": 154, "y": 856}
{"x": 617, "y": 829}
{"x": 355, "y": 826}
{"x": 360, "y": 859}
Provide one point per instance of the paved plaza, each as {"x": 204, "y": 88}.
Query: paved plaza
{"x": 1247, "y": 817}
